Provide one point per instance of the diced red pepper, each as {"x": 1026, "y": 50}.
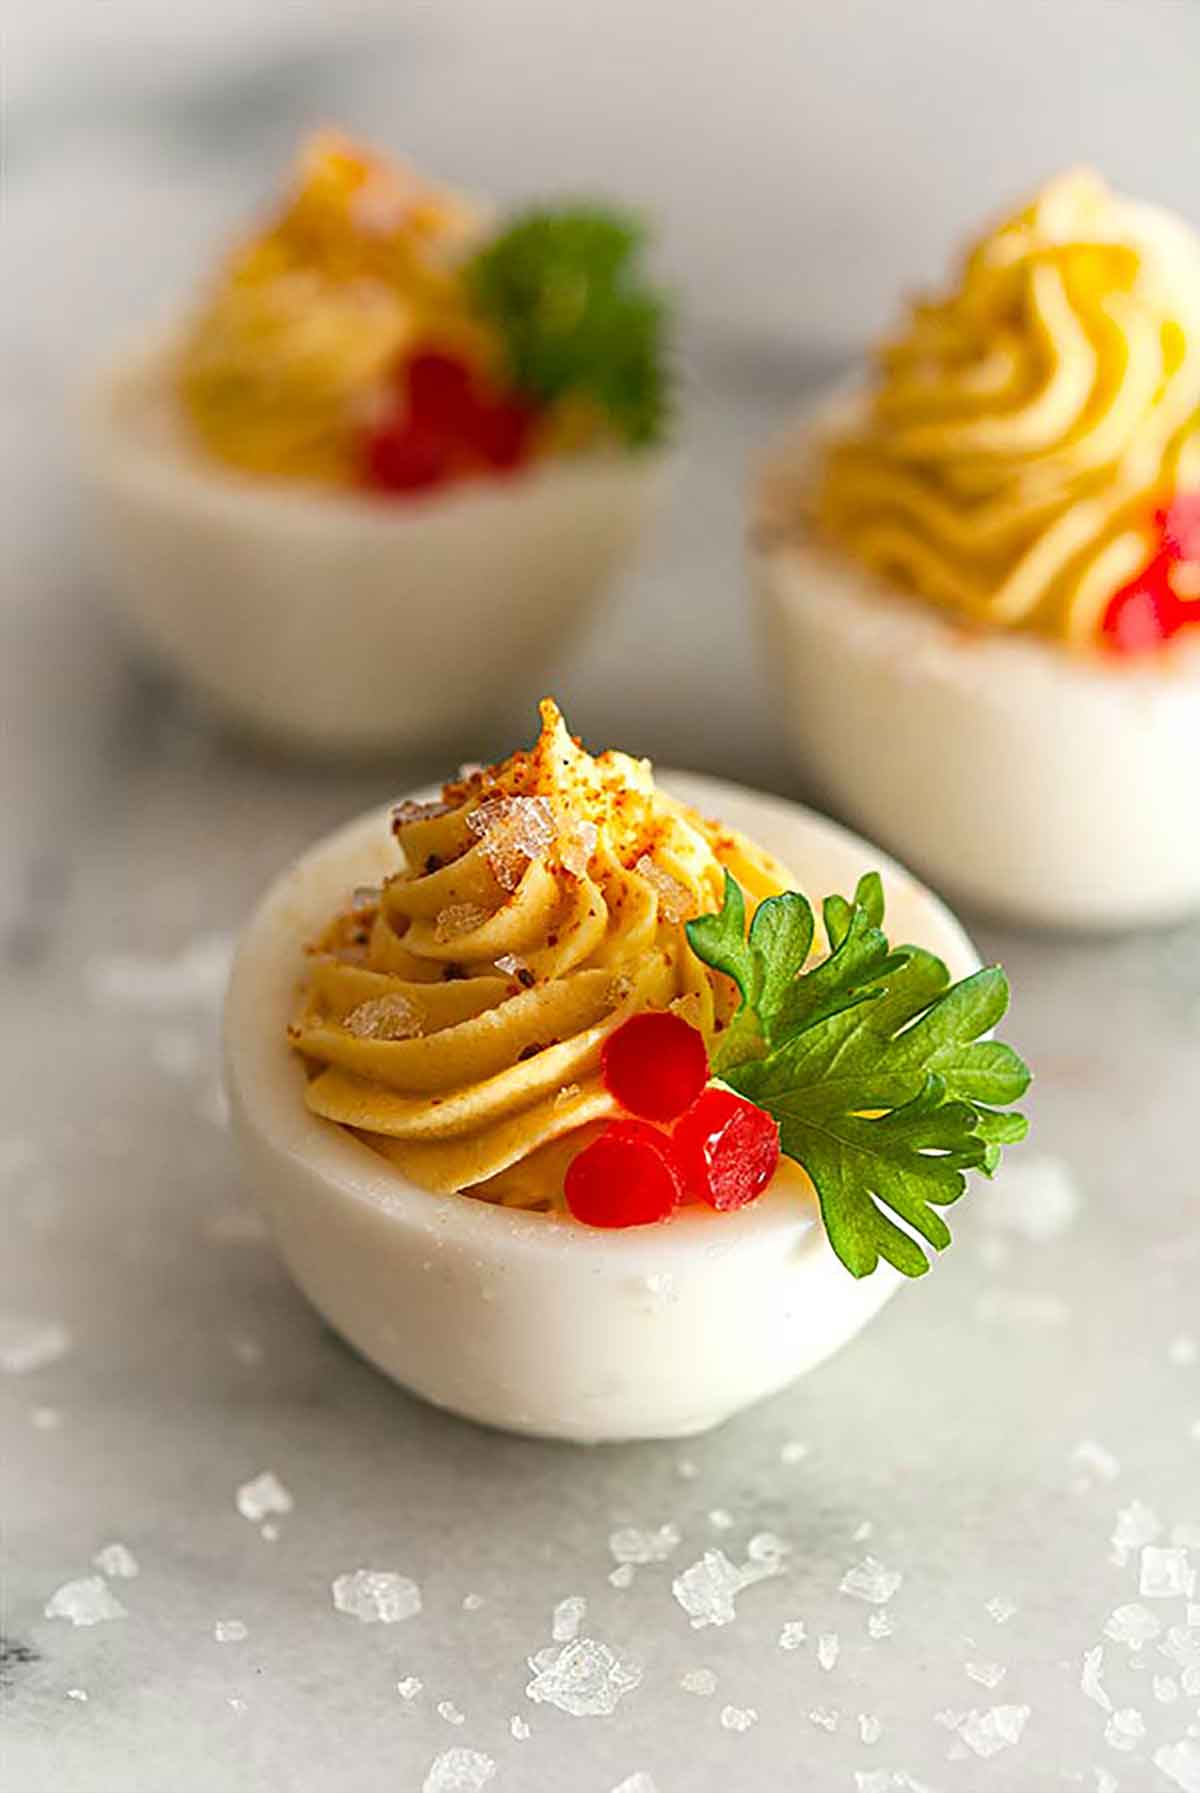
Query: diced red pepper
{"x": 1145, "y": 612}
{"x": 625, "y": 1177}
{"x": 726, "y": 1149}
{"x": 655, "y": 1064}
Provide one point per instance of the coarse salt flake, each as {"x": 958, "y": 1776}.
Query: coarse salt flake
{"x": 1125, "y": 1729}
{"x": 1133, "y": 1625}
{"x": 1091, "y": 1682}
{"x": 391, "y": 1017}
{"x": 116, "y": 1561}
{"x": 456, "y": 920}
{"x": 514, "y": 831}
{"x": 999, "y": 1727}
{"x": 262, "y": 1495}
{"x": 629, "y": 1544}
{"x": 676, "y": 902}
{"x": 583, "y": 1678}
{"x": 1166, "y": 1573}
{"x": 987, "y": 1674}
{"x": 86, "y": 1602}
{"x": 870, "y": 1581}
{"x": 700, "y": 1681}
{"x": 707, "y": 1590}
{"x": 459, "y": 1771}
{"x": 569, "y": 1615}
{"x": 377, "y": 1596}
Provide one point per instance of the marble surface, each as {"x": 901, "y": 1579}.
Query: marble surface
{"x": 986, "y": 1439}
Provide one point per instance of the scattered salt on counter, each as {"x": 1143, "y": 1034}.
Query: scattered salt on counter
{"x": 700, "y": 1681}
{"x": 629, "y": 1544}
{"x": 376, "y": 1596}
{"x": 1125, "y": 1729}
{"x": 987, "y": 1674}
{"x": 707, "y": 1590}
{"x": 85, "y": 1602}
{"x": 262, "y": 1495}
{"x": 459, "y": 1771}
{"x": 569, "y": 1615}
{"x": 738, "y": 1718}
{"x": 116, "y": 1561}
{"x": 583, "y": 1678}
{"x": 1133, "y": 1624}
{"x": 870, "y": 1581}
{"x": 1166, "y": 1573}
{"x": 1090, "y": 1680}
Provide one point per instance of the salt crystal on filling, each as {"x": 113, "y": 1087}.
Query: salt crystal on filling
{"x": 391, "y": 1017}
{"x": 459, "y": 918}
{"x": 576, "y": 847}
{"x": 514, "y": 832}
{"x": 675, "y": 901}
{"x": 404, "y": 814}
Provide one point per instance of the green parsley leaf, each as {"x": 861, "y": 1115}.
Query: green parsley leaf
{"x": 872, "y": 1063}
{"x": 563, "y": 288}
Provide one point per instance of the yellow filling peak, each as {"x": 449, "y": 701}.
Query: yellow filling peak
{"x": 454, "y": 1019}
{"x": 307, "y": 319}
{"x": 1022, "y": 430}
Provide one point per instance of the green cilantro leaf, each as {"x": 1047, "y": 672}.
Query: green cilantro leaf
{"x": 873, "y": 1064}
{"x": 563, "y": 288}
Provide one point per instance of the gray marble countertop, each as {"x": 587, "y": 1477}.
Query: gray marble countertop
{"x": 1015, "y": 1440}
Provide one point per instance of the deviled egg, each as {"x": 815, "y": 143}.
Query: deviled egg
{"x": 368, "y": 489}
{"x": 979, "y": 572}
{"x": 570, "y": 1115}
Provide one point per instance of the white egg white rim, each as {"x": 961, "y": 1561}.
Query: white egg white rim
{"x": 266, "y": 1080}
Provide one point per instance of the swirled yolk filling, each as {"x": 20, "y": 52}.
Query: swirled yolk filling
{"x": 1025, "y": 433}
{"x": 454, "y": 1019}
{"x": 306, "y": 320}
